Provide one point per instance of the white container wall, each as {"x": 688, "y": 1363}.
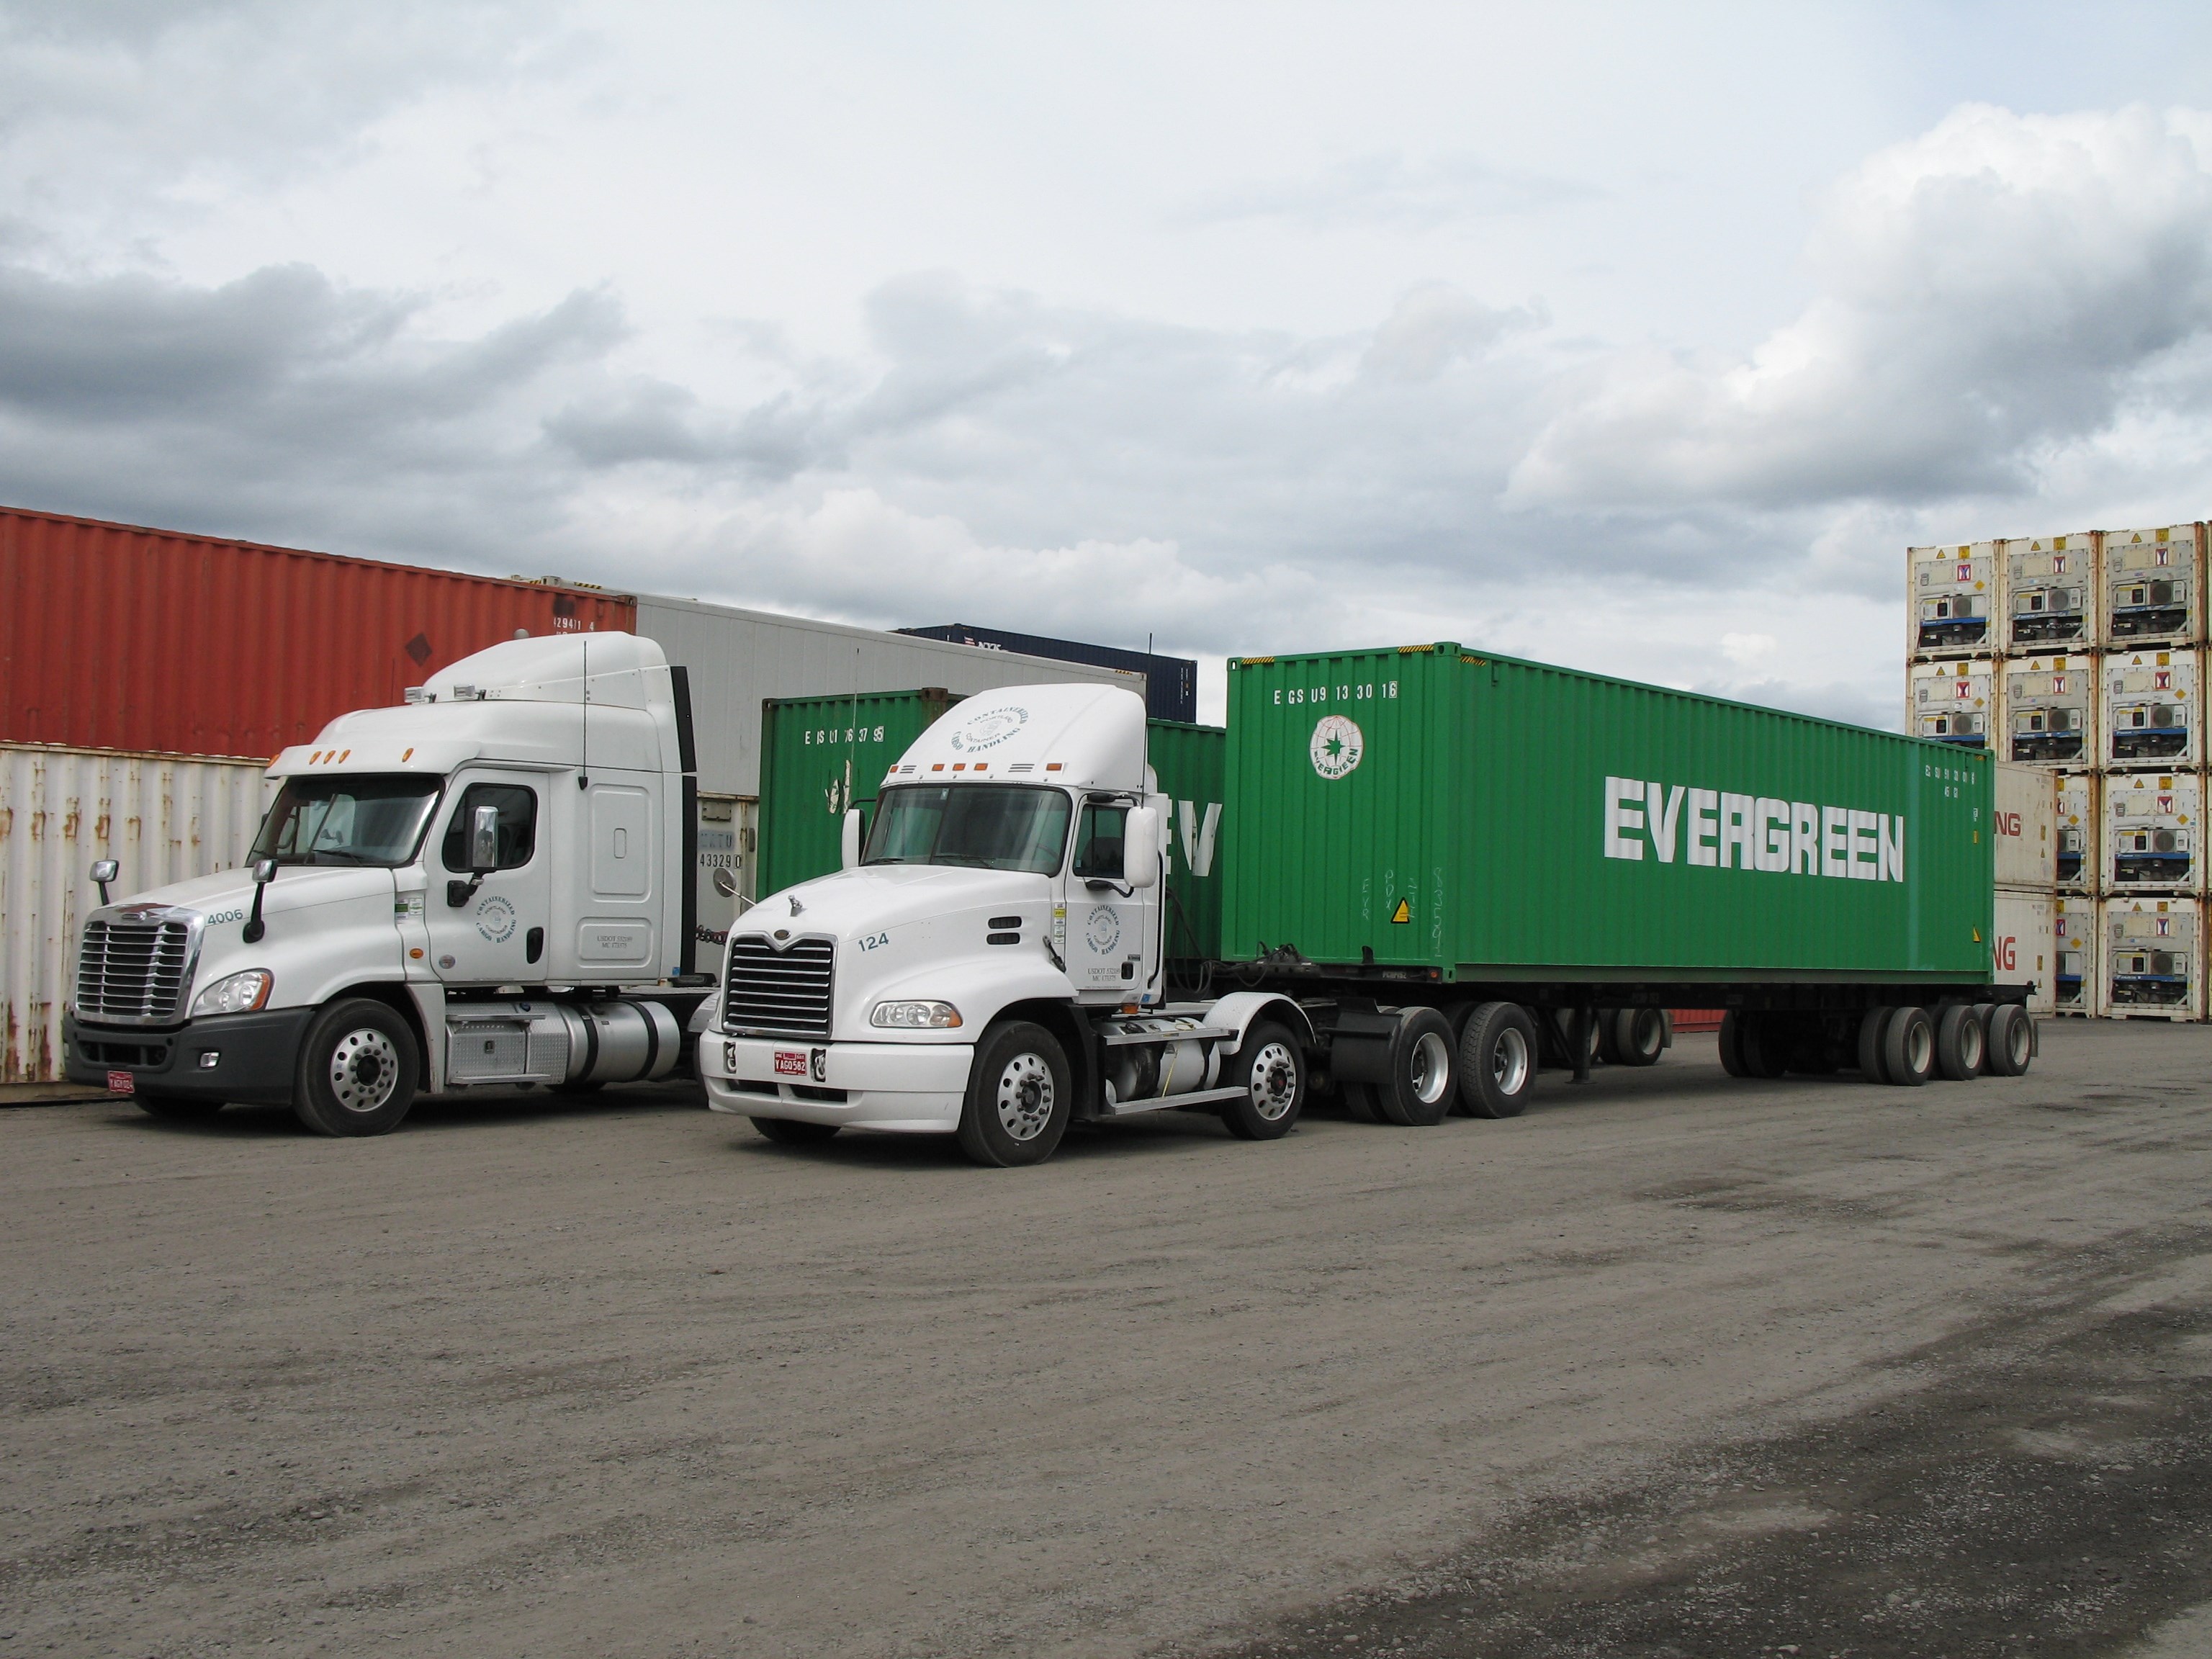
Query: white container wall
{"x": 2077, "y": 929}
{"x": 162, "y": 817}
{"x": 2150, "y": 710}
{"x": 2024, "y": 822}
{"x": 2153, "y": 585}
{"x": 2047, "y": 710}
{"x": 2153, "y": 833}
{"x": 2051, "y": 595}
{"x": 2154, "y": 958}
{"x": 1951, "y": 701}
{"x": 727, "y": 878}
{"x": 2023, "y": 950}
{"x": 1952, "y": 601}
{"x": 2081, "y": 820}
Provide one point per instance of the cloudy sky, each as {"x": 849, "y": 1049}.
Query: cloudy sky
{"x": 1642, "y": 338}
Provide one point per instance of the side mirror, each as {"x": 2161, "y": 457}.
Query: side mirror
{"x": 103, "y": 872}
{"x": 484, "y": 840}
{"x": 1140, "y": 847}
{"x": 848, "y": 840}
{"x": 264, "y": 871}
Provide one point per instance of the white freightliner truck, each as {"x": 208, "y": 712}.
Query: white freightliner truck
{"x": 488, "y": 885}
{"x": 990, "y": 964}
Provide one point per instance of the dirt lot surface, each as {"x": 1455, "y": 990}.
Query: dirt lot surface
{"x": 1672, "y": 1365}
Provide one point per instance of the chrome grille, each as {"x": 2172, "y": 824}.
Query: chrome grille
{"x": 772, "y": 993}
{"x": 132, "y": 971}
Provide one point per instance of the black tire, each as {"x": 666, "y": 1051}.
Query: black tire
{"x": 1272, "y": 1070}
{"x": 1960, "y": 1043}
{"x": 1639, "y": 1035}
{"x": 176, "y": 1109}
{"x": 1764, "y": 1044}
{"x": 1421, "y": 1086}
{"x": 2009, "y": 1046}
{"x": 1359, "y": 1101}
{"x": 1731, "y": 1044}
{"x": 1609, "y": 1035}
{"x": 788, "y": 1132}
{"x": 358, "y": 1070}
{"x": 1908, "y": 1047}
{"x": 1019, "y": 1096}
{"x": 1872, "y": 1027}
{"x": 1496, "y": 1061}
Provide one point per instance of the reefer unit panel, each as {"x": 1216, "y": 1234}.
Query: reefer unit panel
{"x": 2077, "y": 927}
{"x": 1952, "y": 702}
{"x": 2026, "y": 825}
{"x": 2150, "y": 711}
{"x": 2052, "y": 597}
{"x": 162, "y": 817}
{"x": 2154, "y": 958}
{"x": 2023, "y": 950}
{"x": 1433, "y": 808}
{"x": 2153, "y": 830}
{"x": 2153, "y": 584}
{"x": 820, "y": 757}
{"x": 1189, "y": 763}
{"x": 1952, "y": 599}
{"x": 2080, "y": 820}
{"x": 114, "y": 637}
{"x": 2047, "y": 710}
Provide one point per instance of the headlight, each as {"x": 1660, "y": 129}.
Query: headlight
{"x": 237, "y": 993}
{"x": 915, "y": 1016}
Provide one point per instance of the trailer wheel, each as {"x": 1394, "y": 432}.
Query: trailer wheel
{"x": 1731, "y": 1045}
{"x": 1496, "y": 1061}
{"x": 1422, "y": 1083}
{"x": 1908, "y": 1047}
{"x": 788, "y": 1131}
{"x": 1871, "y": 1030}
{"x": 1960, "y": 1043}
{"x": 1609, "y": 1035}
{"x": 1018, "y": 1098}
{"x": 357, "y": 1071}
{"x": 1755, "y": 1044}
{"x": 1272, "y": 1072}
{"x": 1359, "y": 1101}
{"x": 1639, "y": 1035}
{"x": 2009, "y": 1044}
{"x": 176, "y": 1109}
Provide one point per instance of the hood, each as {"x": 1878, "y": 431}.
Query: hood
{"x": 883, "y": 895}
{"x": 297, "y": 887}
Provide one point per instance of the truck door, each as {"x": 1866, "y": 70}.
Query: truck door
{"x": 487, "y": 925}
{"x": 1107, "y": 925}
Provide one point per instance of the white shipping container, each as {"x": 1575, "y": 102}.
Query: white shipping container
{"x": 162, "y": 817}
{"x": 2024, "y": 822}
{"x": 1950, "y": 702}
{"x": 2152, "y": 829}
{"x": 2154, "y": 586}
{"x": 2154, "y": 958}
{"x": 2047, "y": 710}
{"x": 2081, "y": 859}
{"x": 2077, "y": 931}
{"x": 726, "y": 880}
{"x": 2149, "y": 710}
{"x": 1951, "y": 599}
{"x": 2024, "y": 950}
{"x": 2051, "y": 595}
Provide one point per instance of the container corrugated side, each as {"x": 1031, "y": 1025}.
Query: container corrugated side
{"x": 2077, "y": 927}
{"x": 1188, "y": 762}
{"x": 2080, "y": 832}
{"x": 2026, "y": 822}
{"x": 2023, "y": 948}
{"x": 1484, "y": 818}
{"x": 146, "y": 641}
{"x": 820, "y": 757}
{"x": 162, "y": 817}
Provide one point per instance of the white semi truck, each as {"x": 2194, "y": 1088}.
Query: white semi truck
{"x": 487, "y": 885}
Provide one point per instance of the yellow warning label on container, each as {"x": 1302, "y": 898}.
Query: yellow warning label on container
{"x": 1403, "y": 913}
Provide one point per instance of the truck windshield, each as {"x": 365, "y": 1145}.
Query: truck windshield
{"x": 984, "y": 826}
{"x": 347, "y": 820}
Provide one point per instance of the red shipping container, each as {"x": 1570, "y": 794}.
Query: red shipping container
{"x": 115, "y": 637}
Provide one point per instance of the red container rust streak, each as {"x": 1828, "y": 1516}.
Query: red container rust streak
{"x": 114, "y": 637}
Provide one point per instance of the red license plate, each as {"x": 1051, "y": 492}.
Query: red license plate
{"x": 121, "y": 1083}
{"x": 790, "y": 1062}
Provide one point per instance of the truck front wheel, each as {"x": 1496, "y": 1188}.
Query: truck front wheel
{"x": 358, "y": 1070}
{"x": 1018, "y": 1100}
{"x": 1273, "y": 1074}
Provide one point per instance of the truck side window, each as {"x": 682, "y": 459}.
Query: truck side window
{"x": 518, "y": 824}
{"x": 1098, "y": 840}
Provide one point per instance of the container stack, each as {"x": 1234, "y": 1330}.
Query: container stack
{"x": 2083, "y": 656}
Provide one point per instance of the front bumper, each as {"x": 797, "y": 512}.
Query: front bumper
{"x": 257, "y": 1055}
{"x": 913, "y": 1088}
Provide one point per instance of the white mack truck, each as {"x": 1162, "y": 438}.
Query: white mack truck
{"x": 488, "y": 885}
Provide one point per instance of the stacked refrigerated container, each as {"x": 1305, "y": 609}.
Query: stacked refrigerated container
{"x": 2083, "y": 656}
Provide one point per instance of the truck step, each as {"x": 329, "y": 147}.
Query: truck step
{"x": 1156, "y": 1103}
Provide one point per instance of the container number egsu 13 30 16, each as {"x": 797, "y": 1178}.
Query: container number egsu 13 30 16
{"x": 1719, "y": 830}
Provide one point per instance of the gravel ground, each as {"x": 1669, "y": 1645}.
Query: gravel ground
{"x": 1671, "y": 1366}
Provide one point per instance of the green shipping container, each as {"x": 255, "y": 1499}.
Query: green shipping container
{"x": 820, "y": 755}
{"x": 1490, "y": 818}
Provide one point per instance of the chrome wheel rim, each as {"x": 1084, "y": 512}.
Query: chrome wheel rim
{"x": 1025, "y": 1097}
{"x": 1508, "y": 1063}
{"x": 1431, "y": 1069}
{"x": 1920, "y": 1046}
{"x": 2018, "y": 1036}
{"x": 364, "y": 1070}
{"x": 1274, "y": 1081}
{"x": 1972, "y": 1043}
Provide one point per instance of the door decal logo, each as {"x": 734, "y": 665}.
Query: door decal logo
{"x": 495, "y": 920}
{"x": 1103, "y": 931}
{"x": 990, "y": 728}
{"x": 1337, "y": 746}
